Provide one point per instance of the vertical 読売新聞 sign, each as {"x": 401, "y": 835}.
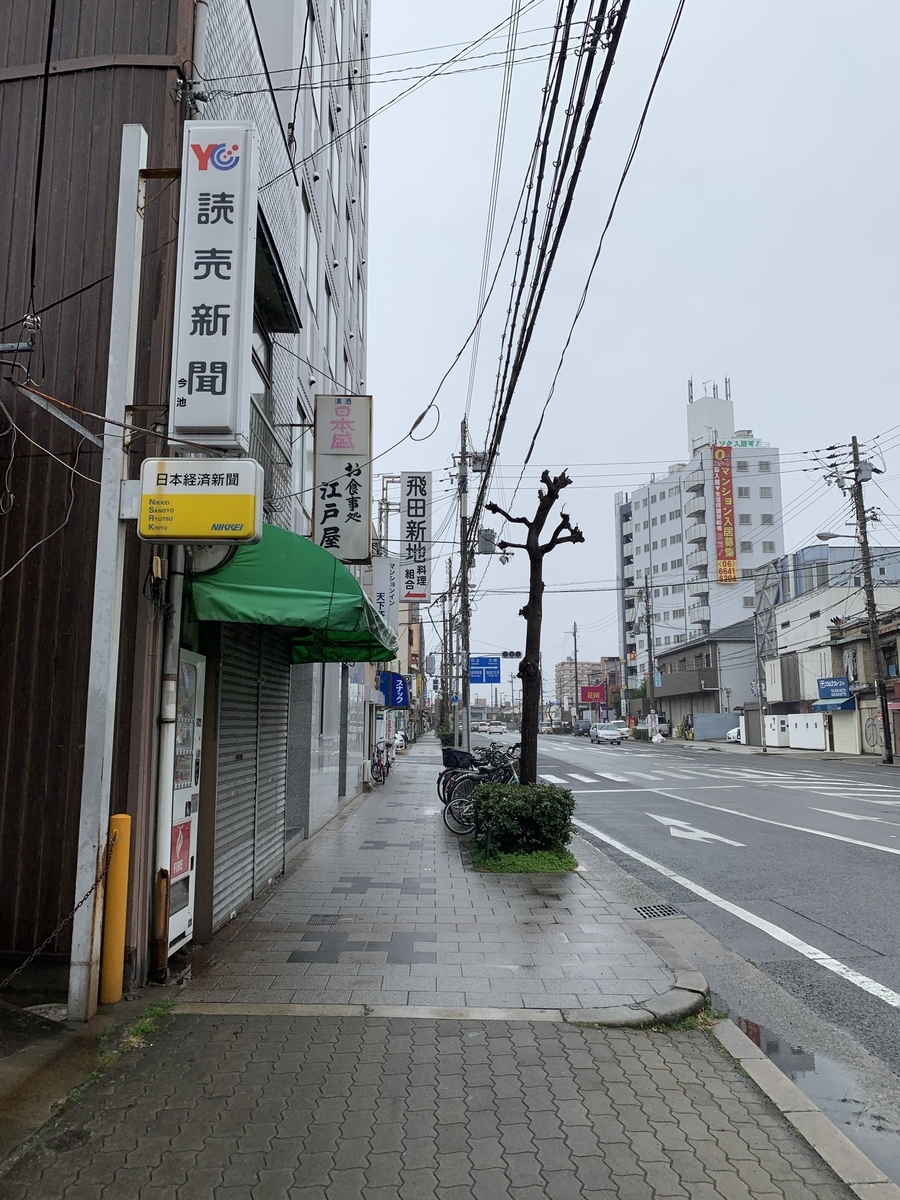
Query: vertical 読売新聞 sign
{"x": 211, "y": 352}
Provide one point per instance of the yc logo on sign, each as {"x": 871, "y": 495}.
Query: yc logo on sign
{"x": 222, "y": 157}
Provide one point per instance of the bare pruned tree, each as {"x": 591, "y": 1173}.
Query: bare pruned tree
{"x": 533, "y": 611}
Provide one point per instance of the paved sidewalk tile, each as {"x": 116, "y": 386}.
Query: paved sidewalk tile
{"x": 382, "y": 909}
{"x": 366, "y": 1108}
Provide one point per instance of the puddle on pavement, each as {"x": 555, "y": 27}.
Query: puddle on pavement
{"x": 838, "y": 1090}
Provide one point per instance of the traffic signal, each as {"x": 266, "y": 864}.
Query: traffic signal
{"x": 511, "y": 654}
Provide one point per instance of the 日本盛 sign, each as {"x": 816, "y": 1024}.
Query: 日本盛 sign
{"x": 342, "y": 510}
{"x": 209, "y": 401}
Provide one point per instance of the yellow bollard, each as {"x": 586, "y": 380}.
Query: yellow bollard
{"x": 115, "y": 909}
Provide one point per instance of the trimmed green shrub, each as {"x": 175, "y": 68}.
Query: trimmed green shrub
{"x": 522, "y": 817}
{"x": 447, "y": 736}
{"x": 640, "y": 735}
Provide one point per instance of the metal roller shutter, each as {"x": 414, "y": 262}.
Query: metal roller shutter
{"x": 271, "y": 760}
{"x": 236, "y": 792}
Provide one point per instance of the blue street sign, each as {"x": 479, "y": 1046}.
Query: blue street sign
{"x": 835, "y": 688}
{"x": 454, "y": 699}
{"x": 484, "y": 669}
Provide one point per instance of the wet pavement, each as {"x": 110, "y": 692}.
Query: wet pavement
{"x": 383, "y": 909}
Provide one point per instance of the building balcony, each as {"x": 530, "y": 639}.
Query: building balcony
{"x": 698, "y": 561}
{"x": 694, "y": 482}
{"x": 689, "y": 682}
{"x": 628, "y": 560}
{"x": 699, "y": 614}
{"x": 695, "y": 506}
{"x": 627, "y": 530}
{"x": 630, "y": 594}
{"x": 700, "y": 587}
{"x": 696, "y": 533}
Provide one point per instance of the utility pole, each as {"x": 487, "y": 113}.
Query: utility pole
{"x": 760, "y": 684}
{"x": 651, "y": 666}
{"x": 465, "y": 695}
{"x": 577, "y": 690}
{"x": 887, "y": 751}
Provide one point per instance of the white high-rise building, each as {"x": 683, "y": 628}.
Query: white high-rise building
{"x": 690, "y": 541}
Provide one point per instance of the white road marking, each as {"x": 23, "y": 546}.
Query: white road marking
{"x": 835, "y": 837}
{"x": 581, "y": 778}
{"x": 630, "y": 791}
{"x": 774, "y": 931}
{"x": 553, "y": 779}
{"x": 855, "y": 816}
{"x": 643, "y": 775}
{"x": 681, "y": 829}
{"x": 614, "y": 778}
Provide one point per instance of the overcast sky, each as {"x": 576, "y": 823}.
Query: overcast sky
{"x": 756, "y": 238}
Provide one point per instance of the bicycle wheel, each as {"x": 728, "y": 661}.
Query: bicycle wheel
{"x": 445, "y": 782}
{"x": 463, "y": 787}
{"x": 458, "y": 816}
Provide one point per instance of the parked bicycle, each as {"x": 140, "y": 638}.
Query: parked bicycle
{"x": 459, "y": 809}
{"x": 380, "y": 765}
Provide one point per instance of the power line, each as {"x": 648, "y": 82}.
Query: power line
{"x": 612, "y": 209}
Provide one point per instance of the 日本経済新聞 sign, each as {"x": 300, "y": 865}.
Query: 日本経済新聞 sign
{"x": 201, "y": 500}
{"x": 415, "y": 537}
{"x": 211, "y": 353}
{"x": 342, "y": 509}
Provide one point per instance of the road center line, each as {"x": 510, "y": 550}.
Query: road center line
{"x": 774, "y": 931}
{"x": 835, "y": 837}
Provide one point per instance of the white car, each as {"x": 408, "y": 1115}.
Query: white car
{"x": 733, "y": 735}
{"x": 496, "y": 727}
{"x": 604, "y": 732}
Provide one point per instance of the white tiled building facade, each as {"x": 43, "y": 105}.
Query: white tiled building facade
{"x": 666, "y": 539}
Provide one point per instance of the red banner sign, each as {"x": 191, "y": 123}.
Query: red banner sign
{"x": 723, "y": 507}
{"x": 594, "y": 693}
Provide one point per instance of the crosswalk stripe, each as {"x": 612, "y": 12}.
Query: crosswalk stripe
{"x": 643, "y": 775}
{"x": 614, "y": 778}
{"x": 553, "y": 779}
{"x": 581, "y": 778}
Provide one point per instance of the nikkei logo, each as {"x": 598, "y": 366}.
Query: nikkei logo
{"x": 217, "y": 154}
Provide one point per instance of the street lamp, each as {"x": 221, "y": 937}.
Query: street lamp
{"x": 862, "y": 536}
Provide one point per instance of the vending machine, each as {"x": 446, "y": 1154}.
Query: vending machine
{"x": 185, "y": 798}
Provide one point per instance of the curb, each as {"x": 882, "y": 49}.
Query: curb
{"x": 848, "y": 1162}
{"x": 672, "y": 1006}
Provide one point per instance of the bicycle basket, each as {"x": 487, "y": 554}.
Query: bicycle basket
{"x": 456, "y": 759}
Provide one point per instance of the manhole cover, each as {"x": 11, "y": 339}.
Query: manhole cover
{"x": 649, "y": 911}
{"x": 323, "y": 919}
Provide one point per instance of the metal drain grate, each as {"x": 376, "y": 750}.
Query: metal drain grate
{"x": 649, "y": 911}
{"x": 323, "y": 919}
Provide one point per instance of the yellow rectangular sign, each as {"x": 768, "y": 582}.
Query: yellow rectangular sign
{"x": 201, "y": 500}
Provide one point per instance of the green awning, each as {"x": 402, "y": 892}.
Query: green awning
{"x": 288, "y": 581}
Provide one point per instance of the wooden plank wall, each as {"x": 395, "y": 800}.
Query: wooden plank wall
{"x": 45, "y": 600}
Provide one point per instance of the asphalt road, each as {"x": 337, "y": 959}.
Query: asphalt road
{"x": 788, "y": 871}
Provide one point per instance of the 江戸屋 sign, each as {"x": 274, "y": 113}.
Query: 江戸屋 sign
{"x": 211, "y": 354}
{"x": 342, "y": 507}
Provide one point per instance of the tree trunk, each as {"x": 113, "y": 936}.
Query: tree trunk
{"x": 530, "y": 669}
